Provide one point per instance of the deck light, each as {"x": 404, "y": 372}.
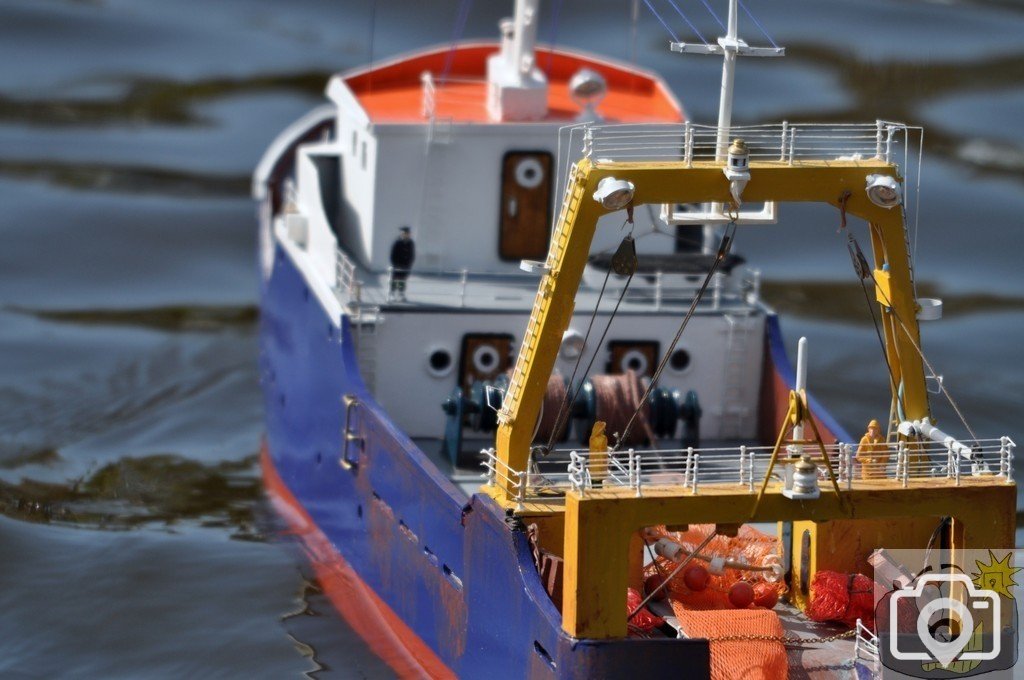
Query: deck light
{"x": 572, "y": 344}
{"x": 883, "y": 191}
{"x": 587, "y": 88}
{"x": 614, "y": 194}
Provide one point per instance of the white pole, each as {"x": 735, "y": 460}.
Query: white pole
{"x": 724, "y": 115}
{"x": 728, "y": 75}
{"x": 801, "y": 384}
{"x": 525, "y": 36}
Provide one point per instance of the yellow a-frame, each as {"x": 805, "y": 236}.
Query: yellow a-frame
{"x": 598, "y": 528}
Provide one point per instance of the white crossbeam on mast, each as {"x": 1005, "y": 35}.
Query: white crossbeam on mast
{"x": 729, "y": 47}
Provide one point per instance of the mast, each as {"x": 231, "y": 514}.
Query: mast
{"x": 517, "y": 88}
{"x": 729, "y": 47}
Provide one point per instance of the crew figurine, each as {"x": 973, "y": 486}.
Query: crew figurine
{"x": 403, "y": 254}
{"x": 872, "y": 453}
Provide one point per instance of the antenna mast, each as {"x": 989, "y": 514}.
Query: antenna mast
{"x": 729, "y": 47}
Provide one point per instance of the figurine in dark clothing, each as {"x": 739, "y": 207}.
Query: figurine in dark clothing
{"x": 403, "y": 254}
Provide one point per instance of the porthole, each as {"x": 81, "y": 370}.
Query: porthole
{"x": 634, "y": 360}
{"x": 439, "y": 362}
{"x": 529, "y": 173}
{"x": 486, "y": 359}
{"x": 679, "y": 361}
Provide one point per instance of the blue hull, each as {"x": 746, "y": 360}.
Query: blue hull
{"x": 454, "y": 571}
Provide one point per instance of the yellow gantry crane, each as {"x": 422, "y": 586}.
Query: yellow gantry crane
{"x": 600, "y": 529}
{"x": 833, "y": 182}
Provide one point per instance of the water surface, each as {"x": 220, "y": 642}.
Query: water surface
{"x": 134, "y": 540}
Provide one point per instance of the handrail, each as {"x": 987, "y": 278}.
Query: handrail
{"x": 783, "y": 142}
{"x": 461, "y": 288}
{"x": 696, "y": 469}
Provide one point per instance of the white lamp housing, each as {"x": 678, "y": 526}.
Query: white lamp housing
{"x": 587, "y": 88}
{"x": 737, "y": 168}
{"x": 614, "y": 194}
{"x": 572, "y": 344}
{"x": 883, "y": 190}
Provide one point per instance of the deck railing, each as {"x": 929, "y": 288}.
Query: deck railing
{"x": 464, "y": 288}
{"x": 743, "y": 467}
{"x": 346, "y": 284}
{"x": 783, "y": 142}
{"x": 453, "y": 91}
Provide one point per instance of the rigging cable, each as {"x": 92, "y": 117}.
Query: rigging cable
{"x": 723, "y": 250}
{"x": 682, "y": 565}
{"x": 457, "y": 30}
{"x": 758, "y": 24}
{"x": 714, "y": 14}
{"x": 565, "y": 409}
{"x": 920, "y": 352}
{"x": 661, "y": 21}
{"x": 863, "y": 270}
{"x": 553, "y": 32}
{"x": 687, "y": 20}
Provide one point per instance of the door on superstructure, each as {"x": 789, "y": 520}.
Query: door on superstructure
{"x": 485, "y": 356}
{"x": 526, "y": 180}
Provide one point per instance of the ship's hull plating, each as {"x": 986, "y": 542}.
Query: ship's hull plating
{"x": 453, "y": 576}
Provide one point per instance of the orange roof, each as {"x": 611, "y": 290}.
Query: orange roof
{"x": 393, "y": 92}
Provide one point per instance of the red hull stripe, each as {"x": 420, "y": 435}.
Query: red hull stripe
{"x": 386, "y": 634}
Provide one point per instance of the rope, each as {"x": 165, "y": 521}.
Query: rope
{"x": 457, "y": 29}
{"x": 579, "y": 359}
{"x": 567, "y": 404}
{"x": 593, "y": 357}
{"x": 862, "y": 269}
{"x": 617, "y": 396}
{"x": 717, "y": 18}
{"x": 906, "y": 331}
{"x": 661, "y": 21}
{"x": 548, "y": 421}
{"x": 373, "y": 33}
{"x": 661, "y": 586}
{"x": 917, "y": 348}
{"x": 723, "y": 250}
{"x": 553, "y": 32}
{"x": 758, "y": 24}
{"x": 687, "y": 20}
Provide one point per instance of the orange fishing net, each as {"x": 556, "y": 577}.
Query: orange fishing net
{"x": 708, "y": 612}
{"x": 843, "y": 598}
{"x": 748, "y": 547}
{"x": 735, "y": 659}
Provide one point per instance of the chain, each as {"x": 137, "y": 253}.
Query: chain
{"x": 783, "y": 640}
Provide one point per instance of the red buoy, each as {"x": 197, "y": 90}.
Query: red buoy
{"x": 741, "y": 595}
{"x": 651, "y": 583}
{"x": 696, "y": 578}
{"x": 765, "y": 595}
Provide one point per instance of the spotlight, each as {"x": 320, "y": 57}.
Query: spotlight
{"x": 883, "y": 190}
{"x": 587, "y": 87}
{"x": 572, "y": 344}
{"x": 614, "y": 194}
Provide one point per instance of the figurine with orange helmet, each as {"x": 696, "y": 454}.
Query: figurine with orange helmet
{"x": 872, "y": 453}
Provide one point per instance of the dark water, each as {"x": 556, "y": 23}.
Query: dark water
{"x": 134, "y": 540}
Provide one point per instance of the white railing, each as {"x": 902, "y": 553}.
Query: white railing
{"x": 865, "y": 647}
{"x": 658, "y": 290}
{"x": 451, "y": 91}
{"x": 743, "y": 467}
{"x": 782, "y": 142}
{"x": 345, "y": 283}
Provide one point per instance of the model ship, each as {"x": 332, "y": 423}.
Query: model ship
{"x": 501, "y": 258}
